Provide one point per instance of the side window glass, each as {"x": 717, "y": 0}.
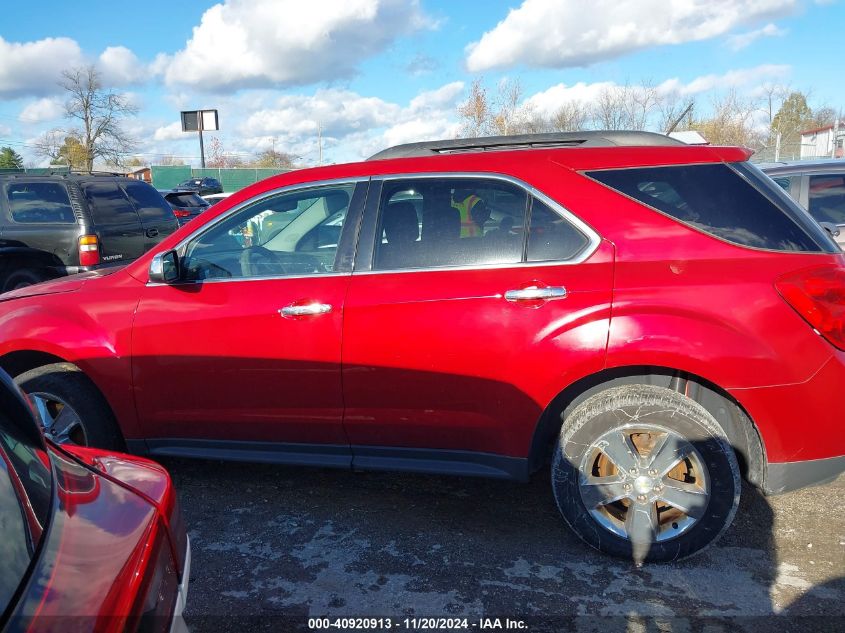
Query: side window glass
{"x": 39, "y": 203}
{"x": 827, "y": 198}
{"x": 294, "y": 233}
{"x": 430, "y": 223}
{"x": 784, "y": 182}
{"x": 150, "y": 204}
{"x": 551, "y": 237}
{"x": 108, "y": 204}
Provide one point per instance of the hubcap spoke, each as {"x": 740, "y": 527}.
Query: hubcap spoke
{"x": 64, "y": 424}
{"x": 688, "y": 498}
{"x": 667, "y": 452}
{"x": 598, "y": 491}
{"x": 641, "y": 523}
{"x": 620, "y": 450}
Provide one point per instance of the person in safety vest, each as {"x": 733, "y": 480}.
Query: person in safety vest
{"x": 474, "y": 213}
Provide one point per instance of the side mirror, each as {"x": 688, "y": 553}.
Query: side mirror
{"x": 164, "y": 268}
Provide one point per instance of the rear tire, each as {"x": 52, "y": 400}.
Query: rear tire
{"x": 23, "y": 278}
{"x": 72, "y": 409}
{"x": 645, "y": 473}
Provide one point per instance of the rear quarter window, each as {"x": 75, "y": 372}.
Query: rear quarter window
{"x": 151, "y": 206}
{"x": 39, "y": 203}
{"x": 713, "y": 198}
{"x": 109, "y": 204}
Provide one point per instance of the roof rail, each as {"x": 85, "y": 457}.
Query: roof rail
{"x": 598, "y": 138}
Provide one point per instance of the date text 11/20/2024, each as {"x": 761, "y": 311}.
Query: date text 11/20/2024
{"x": 417, "y": 624}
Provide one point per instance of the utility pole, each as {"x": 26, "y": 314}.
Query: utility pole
{"x": 320, "y": 143}
{"x": 777, "y": 147}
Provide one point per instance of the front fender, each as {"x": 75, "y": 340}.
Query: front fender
{"x": 92, "y": 333}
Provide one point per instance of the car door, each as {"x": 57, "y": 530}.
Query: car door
{"x": 241, "y": 356}
{"x": 455, "y": 340}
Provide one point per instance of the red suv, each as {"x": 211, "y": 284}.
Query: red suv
{"x": 654, "y": 318}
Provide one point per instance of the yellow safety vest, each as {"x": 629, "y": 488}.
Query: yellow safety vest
{"x": 468, "y": 227}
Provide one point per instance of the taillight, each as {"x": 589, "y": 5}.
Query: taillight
{"x": 153, "y": 613}
{"x": 89, "y": 250}
{"x": 181, "y": 213}
{"x": 818, "y": 295}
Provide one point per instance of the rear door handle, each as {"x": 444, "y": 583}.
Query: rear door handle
{"x": 534, "y": 294}
{"x": 152, "y": 233}
{"x": 307, "y": 309}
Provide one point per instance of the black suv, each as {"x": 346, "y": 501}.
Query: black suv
{"x": 63, "y": 224}
{"x": 202, "y": 186}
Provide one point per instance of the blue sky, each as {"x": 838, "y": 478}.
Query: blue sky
{"x": 377, "y": 72}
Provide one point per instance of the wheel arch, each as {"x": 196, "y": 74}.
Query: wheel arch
{"x": 740, "y": 428}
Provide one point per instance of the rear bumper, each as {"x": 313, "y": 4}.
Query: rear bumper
{"x": 788, "y": 476}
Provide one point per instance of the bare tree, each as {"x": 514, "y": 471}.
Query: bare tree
{"x": 475, "y": 112}
{"x": 732, "y": 123}
{"x": 274, "y": 159}
{"x": 507, "y": 119}
{"x": 610, "y": 112}
{"x": 98, "y": 111}
{"x": 571, "y": 116}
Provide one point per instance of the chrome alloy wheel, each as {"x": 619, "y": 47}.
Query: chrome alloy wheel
{"x": 644, "y": 483}
{"x": 61, "y": 423}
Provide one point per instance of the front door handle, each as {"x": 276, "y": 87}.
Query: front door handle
{"x": 306, "y": 309}
{"x": 535, "y": 294}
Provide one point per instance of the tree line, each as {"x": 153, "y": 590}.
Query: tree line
{"x": 777, "y": 116}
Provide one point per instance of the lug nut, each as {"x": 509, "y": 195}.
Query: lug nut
{"x": 633, "y": 471}
{"x": 627, "y": 487}
{"x": 640, "y": 498}
{"x": 652, "y": 472}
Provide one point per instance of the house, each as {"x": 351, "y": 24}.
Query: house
{"x": 824, "y": 142}
{"x": 142, "y": 173}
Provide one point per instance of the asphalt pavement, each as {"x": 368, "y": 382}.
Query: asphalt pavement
{"x": 279, "y": 548}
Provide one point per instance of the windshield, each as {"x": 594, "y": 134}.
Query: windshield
{"x": 25, "y": 496}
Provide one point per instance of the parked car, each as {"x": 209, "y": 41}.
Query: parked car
{"x": 186, "y": 205}
{"x": 58, "y": 225}
{"x": 818, "y": 186}
{"x": 214, "y": 198}
{"x": 653, "y": 318}
{"x": 202, "y": 186}
{"x": 91, "y": 540}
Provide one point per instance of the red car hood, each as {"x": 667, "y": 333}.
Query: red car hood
{"x": 63, "y": 284}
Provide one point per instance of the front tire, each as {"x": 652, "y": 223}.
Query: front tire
{"x": 644, "y": 473}
{"x": 72, "y": 409}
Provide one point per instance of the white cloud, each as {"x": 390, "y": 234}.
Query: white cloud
{"x": 34, "y": 68}
{"x": 353, "y": 126}
{"x": 41, "y": 110}
{"x": 742, "y": 40}
{"x": 749, "y": 78}
{"x": 557, "y": 34}
{"x": 260, "y": 43}
{"x": 170, "y": 132}
{"x": 5, "y": 130}
{"x": 550, "y": 100}
{"x": 119, "y": 67}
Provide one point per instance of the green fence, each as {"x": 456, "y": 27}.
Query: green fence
{"x": 37, "y": 171}
{"x": 168, "y": 176}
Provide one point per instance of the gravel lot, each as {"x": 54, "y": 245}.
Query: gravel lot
{"x": 273, "y": 546}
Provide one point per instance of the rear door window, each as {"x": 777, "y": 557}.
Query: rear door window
{"x": 551, "y": 237}
{"x": 827, "y": 198}
{"x": 432, "y": 223}
{"x": 716, "y": 199}
{"x": 39, "y": 203}
{"x": 151, "y": 206}
{"x": 109, "y": 204}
